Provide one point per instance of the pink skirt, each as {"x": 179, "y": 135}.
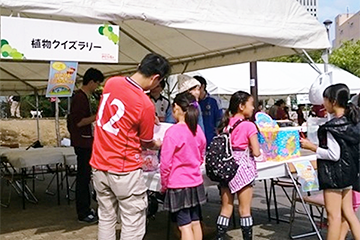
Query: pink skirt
{"x": 246, "y": 172}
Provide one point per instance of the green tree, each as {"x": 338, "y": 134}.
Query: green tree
{"x": 300, "y": 58}
{"x": 28, "y": 103}
{"x": 347, "y": 57}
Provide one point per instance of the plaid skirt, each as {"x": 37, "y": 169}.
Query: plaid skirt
{"x": 177, "y": 199}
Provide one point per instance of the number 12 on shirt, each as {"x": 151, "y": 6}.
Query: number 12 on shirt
{"x": 116, "y": 117}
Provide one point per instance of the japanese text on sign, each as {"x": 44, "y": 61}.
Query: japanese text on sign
{"x": 62, "y": 41}
{"x": 75, "y": 45}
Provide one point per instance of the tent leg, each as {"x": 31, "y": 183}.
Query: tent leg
{"x": 57, "y": 124}
{"x": 37, "y": 115}
{"x": 68, "y": 105}
{"x": 254, "y": 83}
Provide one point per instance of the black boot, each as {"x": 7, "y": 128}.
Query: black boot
{"x": 221, "y": 232}
{"x": 247, "y": 232}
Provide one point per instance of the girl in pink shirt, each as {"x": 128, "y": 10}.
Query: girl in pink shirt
{"x": 182, "y": 154}
{"x": 245, "y": 146}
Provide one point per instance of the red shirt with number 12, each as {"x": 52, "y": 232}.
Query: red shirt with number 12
{"x": 126, "y": 115}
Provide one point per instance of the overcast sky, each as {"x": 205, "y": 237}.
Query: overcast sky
{"x": 329, "y": 9}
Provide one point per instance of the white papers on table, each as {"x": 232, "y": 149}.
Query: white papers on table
{"x": 159, "y": 130}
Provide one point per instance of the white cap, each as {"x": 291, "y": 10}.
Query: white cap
{"x": 186, "y": 83}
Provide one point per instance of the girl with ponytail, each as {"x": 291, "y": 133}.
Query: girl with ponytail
{"x": 246, "y": 148}
{"x": 338, "y": 161}
{"x": 182, "y": 154}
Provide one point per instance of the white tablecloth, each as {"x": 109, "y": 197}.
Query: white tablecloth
{"x": 266, "y": 170}
{"x": 21, "y": 158}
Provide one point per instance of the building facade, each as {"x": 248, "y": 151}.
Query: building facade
{"x": 347, "y": 28}
{"x": 310, "y": 5}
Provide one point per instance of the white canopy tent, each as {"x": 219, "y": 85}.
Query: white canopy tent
{"x": 192, "y": 34}
{"x": 274, "y": 78}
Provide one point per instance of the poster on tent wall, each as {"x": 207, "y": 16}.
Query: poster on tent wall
{"x": 62, "y": 78}
{"x": 302, "y": 99}
{"x": 35, "y": 39}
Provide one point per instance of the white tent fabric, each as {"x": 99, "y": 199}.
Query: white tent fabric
{"x": 192, "y": 34}
{"x": 274, "y": 78}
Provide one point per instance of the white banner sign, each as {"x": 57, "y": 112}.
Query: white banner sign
{"x": 34, "y": 39}
{"x": 302, "y": 99}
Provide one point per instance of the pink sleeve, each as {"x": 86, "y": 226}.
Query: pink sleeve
{"x": 203, "y": 151}
{"x": 251, "y": 129}
{"x": 166, "y": 157}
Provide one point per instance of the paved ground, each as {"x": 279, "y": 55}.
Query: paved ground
{"x": 47, "y": 220}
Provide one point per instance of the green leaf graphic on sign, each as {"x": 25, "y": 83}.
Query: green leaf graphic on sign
{"x": 8, "y": 51}
{"x": 3, "y": 42}
{"x": 107, "y": 31}
{"x": 101, "y": 30}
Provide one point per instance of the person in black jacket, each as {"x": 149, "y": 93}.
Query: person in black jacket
{"x": 338, "y": 159}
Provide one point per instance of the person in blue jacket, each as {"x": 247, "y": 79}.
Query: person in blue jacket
{"x": 211, "y": 114}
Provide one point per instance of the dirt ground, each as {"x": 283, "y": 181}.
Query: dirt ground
{"x": 23, "y": 131}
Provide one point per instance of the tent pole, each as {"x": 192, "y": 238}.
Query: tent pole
{"x": 57, "y": 127}
{"x": 37, "y": 115}
{"x": 68, "y": 105}
{"x": 254, "y": 83}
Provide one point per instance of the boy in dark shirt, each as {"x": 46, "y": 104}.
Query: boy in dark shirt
{"x": 81, "y": 134}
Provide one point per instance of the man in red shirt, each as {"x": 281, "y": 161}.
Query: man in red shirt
{"x": 80, "y": 122}
{"x": 124, "y": 124}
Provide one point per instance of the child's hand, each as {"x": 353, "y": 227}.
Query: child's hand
{"x": 157, "y": 144}
{"x": 157, "y": 121}
{"x": 306, "y": 144}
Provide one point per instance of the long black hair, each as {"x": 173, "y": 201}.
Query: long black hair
{"x": 237, "y": 99}
{"x": 187, "y": 102}
{"x": 340, "y": 95}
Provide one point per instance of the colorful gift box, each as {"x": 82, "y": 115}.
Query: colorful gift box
{"x": 277, "y": 143}
{"x": 287, "y": 144}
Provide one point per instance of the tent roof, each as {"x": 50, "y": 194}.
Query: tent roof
{"x": 192, "y": 34}
{"x": 274, "y": 78}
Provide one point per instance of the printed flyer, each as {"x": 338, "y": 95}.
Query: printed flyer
{"x": 62, "y": 79}
{"x": 307, "y": 176}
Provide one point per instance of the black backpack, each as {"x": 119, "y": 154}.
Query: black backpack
{"x": 219, "y": 161}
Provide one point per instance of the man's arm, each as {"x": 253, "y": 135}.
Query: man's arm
{"x": 146, "y": 129}
{"x": 153, "y": 144}
{"x": 79, "y": 113}
{"x": 86, "y": 121}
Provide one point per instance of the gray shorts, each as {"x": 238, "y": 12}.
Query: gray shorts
{"x": 339, "y": 189}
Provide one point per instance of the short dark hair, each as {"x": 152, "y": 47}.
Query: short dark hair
{"x": 154, "y": 63}
{"x": 93, "y": 74}
{"x": 279, "y": 102}
{"x": 201, "y": 80}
